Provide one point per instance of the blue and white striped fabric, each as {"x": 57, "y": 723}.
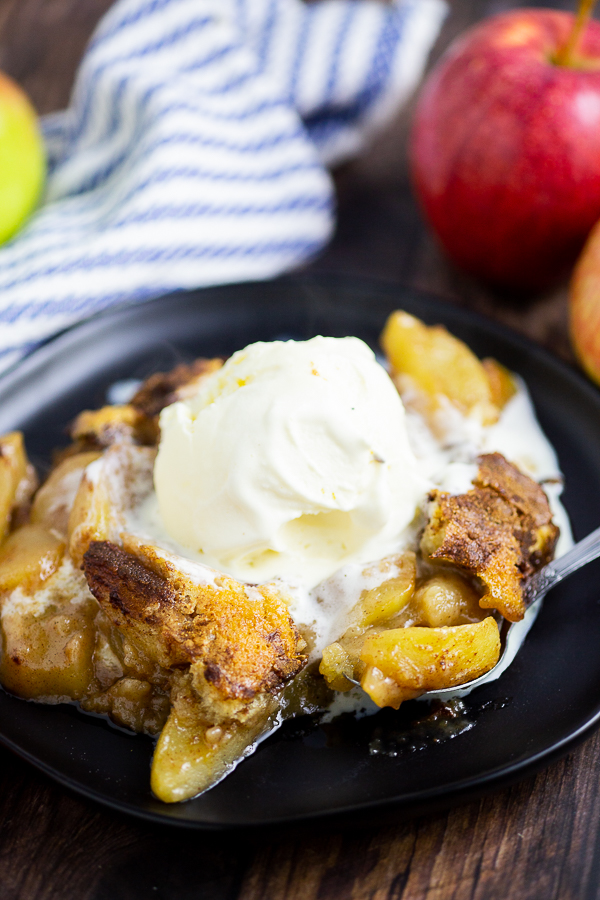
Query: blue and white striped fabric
{"x": 195, "y": 148}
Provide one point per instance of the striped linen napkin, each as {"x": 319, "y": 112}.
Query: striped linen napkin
{"x": 195, "y": 148}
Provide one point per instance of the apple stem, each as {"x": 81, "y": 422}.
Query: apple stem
{"x": 566, "y": 55}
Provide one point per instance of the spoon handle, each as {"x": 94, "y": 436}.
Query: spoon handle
{"x": 582, "y": 553}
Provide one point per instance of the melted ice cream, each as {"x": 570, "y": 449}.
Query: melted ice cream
{"x": 446, "y": 461}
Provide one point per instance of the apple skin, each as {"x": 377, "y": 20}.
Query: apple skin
{"x": 584, "y": 306}
{"x": 22, "y": 158}
{"x": 505, "y": 148}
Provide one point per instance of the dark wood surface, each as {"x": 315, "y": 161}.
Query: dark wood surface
{"x": 539, "y": 840}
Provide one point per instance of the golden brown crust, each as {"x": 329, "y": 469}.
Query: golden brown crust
{"x": 99, "y": 428}
{"x": 164, "y": 388}
{"x": 522, "y": 492}
{"x": 501, "y": 531}
{"x": 241, "y": 640}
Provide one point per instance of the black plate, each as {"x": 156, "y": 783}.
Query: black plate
{"x": 548, "y": 699}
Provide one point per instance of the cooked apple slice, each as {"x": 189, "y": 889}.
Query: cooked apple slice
{"x": 383, "y": 605}
{"x": 438, "y": 365}
{"x": 49, "y": 639}
{"x": 192, "y": 754}
{"x": 405, "y": 662}
{"x": 337, "y": 667}
{"x": 502, "y": 382}
{"x": 52, "y": 503}
{"x": 17, "y": 478}
{"x": 396, "y": 576}
{"x": 447, "y": 599}
{"x": 29, "y": 556}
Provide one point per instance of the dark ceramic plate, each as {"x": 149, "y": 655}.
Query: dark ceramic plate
{"x": 383, "y": 766}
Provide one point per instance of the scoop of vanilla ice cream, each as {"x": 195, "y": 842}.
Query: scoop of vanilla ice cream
{"x": 291, "y": 460}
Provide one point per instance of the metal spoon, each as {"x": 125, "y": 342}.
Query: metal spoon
{"x": 536, "y": 589}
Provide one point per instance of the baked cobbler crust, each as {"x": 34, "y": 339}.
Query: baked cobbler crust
{"x": 501, "y": 531}
{"x": 241, "y": 639}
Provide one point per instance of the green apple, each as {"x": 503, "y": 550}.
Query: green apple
{"x": 22, "y": 158}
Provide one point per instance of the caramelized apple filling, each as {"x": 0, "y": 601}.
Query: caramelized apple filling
{"x": 430, "y": 623}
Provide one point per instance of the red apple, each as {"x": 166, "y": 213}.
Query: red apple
{"x": 505, "y": 148}
{"x": 584, "y": 306}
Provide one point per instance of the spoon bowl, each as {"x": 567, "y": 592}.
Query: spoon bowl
{"x": 536, "y": 588}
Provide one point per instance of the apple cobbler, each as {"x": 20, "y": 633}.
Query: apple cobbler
{"x": 97, "y": 610}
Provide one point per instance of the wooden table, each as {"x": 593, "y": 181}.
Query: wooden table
{"x": 540, "y": 839}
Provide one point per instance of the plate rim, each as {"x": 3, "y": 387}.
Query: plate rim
{"x": 408, "y": 807}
